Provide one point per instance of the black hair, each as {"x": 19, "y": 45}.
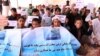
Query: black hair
{"x": 78, "y": 18}
{"x": 57, "y": 5}
{"x": 21, "y": 17}
{"x": 36, "y": 20}
{"x": 58, "y": 9}
{"x": 14, "y": 9}
{"x": 35, "y": 10}
{"x": 99, "y": 8}
{"x": 30, "y": 4}
{"x": 52, "y": 10}
{"x": 48, "y": 9}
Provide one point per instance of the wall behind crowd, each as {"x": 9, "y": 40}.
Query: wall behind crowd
{"x": 25, "y": 3}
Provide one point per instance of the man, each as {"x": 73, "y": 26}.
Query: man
{"x": 6, "y": 6}
{"x": 21, "y": 22}
{"x": 71, "y": 16}
{"x": 46, "y": 18}
{"x": 95, "y": 23}
{"x": 30, "y": 9}
{"x": 57, "y": 11}
{"x": 36, "y": 23}
{"x": 1, "y": 6}
{"x": 14, "y": 14}
{"x": 35, "y": 12}
{"x": 47, "y": 12}
{"x": 6, "y": 2}
{"x": 19, "y": 10}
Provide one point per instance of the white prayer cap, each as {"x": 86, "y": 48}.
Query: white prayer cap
{"x": 56, "y": 17}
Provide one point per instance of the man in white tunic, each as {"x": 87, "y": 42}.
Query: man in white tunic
{"x": 96, "y": 31}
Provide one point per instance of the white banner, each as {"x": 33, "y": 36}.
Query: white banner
{"x": 11, "y": 43}
{"x": 12, "y": 23}
{"x": 62, "y": 18}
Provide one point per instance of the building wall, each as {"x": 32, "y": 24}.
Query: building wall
{"x": 25, "y": 3}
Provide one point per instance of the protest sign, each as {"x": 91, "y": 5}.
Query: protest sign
{"x": 48, "y": 41}
{"x": 42, "y": 41}
{"x": 91, "y": 7}
{"x": 46, "y": 21}
{"x": 29, "y": 19}
{"x": 12, "y": 23}
{"x": 79, "y": 4}
{"x": 62, "y": 18}
{"x": 11, "y": 42}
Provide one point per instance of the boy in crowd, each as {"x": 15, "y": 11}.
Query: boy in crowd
{"x": 35, "y": 12}
{"x": 81, "y": 34}
{"x": 36, "y": 23}
{"x": 21, "y": 22}
{"x": 57, "y": 11}
{"x": 13, "y": 15}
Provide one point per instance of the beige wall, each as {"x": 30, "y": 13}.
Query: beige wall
{"x": 24, "y": 3}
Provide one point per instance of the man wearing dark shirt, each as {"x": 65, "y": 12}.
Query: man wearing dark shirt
{"x": 71, "y": 17}
{"x": 14, "y": 14}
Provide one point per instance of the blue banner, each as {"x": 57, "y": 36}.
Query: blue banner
{"x": 2, "y": 43}
{"x": 11, "y": 42}
{"x": 43, "y": 41}
{"x": 48, "y": 41}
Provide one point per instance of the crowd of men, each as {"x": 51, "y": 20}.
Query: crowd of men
{"x": 83, "y": 24}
